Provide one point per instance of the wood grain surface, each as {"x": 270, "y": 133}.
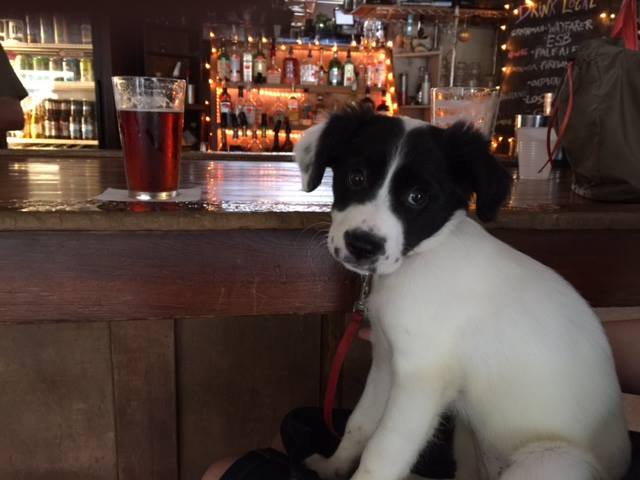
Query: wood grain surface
{"x": 55, "y": 193}
{"x": 144, "y": 384}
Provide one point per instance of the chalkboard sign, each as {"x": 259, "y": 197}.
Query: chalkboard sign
{"x": 543, "y": 37}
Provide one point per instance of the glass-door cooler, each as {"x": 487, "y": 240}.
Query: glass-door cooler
{"x": 53, "y": 57}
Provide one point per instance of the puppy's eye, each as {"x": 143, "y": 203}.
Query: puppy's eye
{"x": 417, "y": 197}
{"x": 357, "y": 179}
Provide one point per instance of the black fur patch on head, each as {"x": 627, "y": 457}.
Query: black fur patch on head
{"x": 358, "y": 141}
{"x": 448, "y": 167}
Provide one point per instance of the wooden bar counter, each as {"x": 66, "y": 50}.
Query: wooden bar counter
{"x": 145, "y": 340}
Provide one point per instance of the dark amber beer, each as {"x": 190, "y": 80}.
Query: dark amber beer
{"x": 150, "y": 116}
{"x": 151, "y": 143}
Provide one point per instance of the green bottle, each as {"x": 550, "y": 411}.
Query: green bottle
{"x": 335, "y": 71}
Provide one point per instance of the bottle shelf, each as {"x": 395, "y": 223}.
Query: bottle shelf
{"x": 51, "y": 141}
{"x": 58, "y": 86}
{"x": 300, "y": 87}
{"x": 400, "y": 12}
{"x": 431, "y": 53}
{"x": 59, "y": 49}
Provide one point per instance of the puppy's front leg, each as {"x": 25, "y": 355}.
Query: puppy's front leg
{"x": 363, "y": 421}
{"x": 415, "y": 403}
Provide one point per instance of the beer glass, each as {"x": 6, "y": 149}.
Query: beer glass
{"x": 478, "y": 106}
{"x": 150, "y": 118}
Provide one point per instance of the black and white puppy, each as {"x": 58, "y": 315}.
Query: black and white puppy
{"x": 460, "y": 320}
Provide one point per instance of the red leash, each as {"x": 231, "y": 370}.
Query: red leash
{"x": 357, "y": 317}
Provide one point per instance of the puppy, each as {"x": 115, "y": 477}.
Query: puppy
{"x": 460, "y": 320}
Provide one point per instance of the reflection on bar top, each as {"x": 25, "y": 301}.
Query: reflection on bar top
{"x": 55, "y": 193}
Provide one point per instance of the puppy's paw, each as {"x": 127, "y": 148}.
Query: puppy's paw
{"x": 326, "y": 468}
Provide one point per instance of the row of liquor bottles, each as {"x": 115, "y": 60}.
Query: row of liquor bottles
{"x": 249, "y": 64}
{"x": 60, "y": 119}
{"x": 237, "y": 133}
{"x": 300, "y": 109}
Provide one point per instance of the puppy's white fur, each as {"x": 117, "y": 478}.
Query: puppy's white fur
{"x": 466, "y": 322}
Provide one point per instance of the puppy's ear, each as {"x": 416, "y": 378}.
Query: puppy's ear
{"x": 475, "y": 170}
{"x": 306, "y": 154}
{"x": 323, "y": 144}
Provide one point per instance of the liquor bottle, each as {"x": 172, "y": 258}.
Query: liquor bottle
{"x": 335, "y": 70}
{"x": 249, "y": 109}
{"x": 426, "y": 89}
{"x": 382, "y": 107}
{"x": 254, "y": 145}
{"x": 264, "y": 139}
{"x": 309, "y": 71}
{"x": 226, "y": 107}
{"x": 224, "y": 145}
{"x": 276, "y": 136}
{"x": 287, "y": 146}
{"x": 224, "y": 64}
{"x": 306, "y": 110}
{"x": 256, "y": 99}
{"x": 320, "y": 113}
{"x": 381, "y": 71}
{"x": 235, "y": 61}
{"x": 247, "y": 63}
{"x": 279, "y": 111}
{"x": 240, "y": 102}
{"x": 259, "y": 65}
{"x": 244, "y": 138}
{"x": 370, "y": 71}
{"x": 366, "y": 102}
{"x": 322, "y": 73}
{"x": 273, "y": 72}
{"x": 234, "y": 144}
{"x": 362, "y": 70}
{"x": 290, "y": 69}
{"x": 293, "y": 107}
{"x": 349, "y": 75}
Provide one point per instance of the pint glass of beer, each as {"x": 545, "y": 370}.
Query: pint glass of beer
{"x": 150, "y": 117}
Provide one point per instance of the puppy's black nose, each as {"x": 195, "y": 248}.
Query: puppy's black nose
{"x": 363, "y": 245}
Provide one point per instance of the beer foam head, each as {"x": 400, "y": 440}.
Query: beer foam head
{"x": 149, "y": 94}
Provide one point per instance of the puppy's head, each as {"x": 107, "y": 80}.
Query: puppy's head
{"x": 396, "y": 182}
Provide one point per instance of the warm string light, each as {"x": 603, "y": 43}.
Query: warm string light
{"x": 503, "y": 46}
{"x": 207, "y": 66}
{"x": 516, "y": 11}
{"x": 503, "y": 27}
{"x": 507, "y": 6}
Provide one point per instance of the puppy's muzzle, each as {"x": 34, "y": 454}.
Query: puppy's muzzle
{"x": 363, "y": 245}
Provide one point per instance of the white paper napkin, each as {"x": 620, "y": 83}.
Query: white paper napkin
{"x": 118, "y": 195}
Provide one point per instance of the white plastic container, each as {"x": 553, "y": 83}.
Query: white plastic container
{"x": 532, "y": 152}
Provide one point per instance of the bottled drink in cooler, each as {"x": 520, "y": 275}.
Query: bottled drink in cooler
{"x": 75, "y": 120}
{"x": 65, "y": 111}
{"x": 249, "y": 109}
{"x": 88, "y": 121}
{"x": 306, "y": 110}
{"x": 367, "y": 102}
{"x": 264, "y": 139}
